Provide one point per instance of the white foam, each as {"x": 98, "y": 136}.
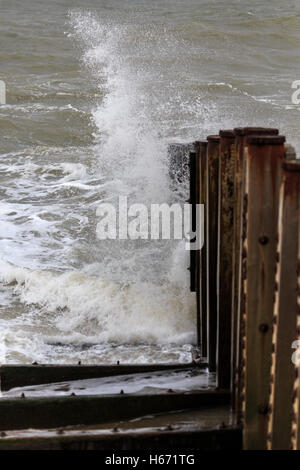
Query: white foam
{"x": 73, "y": 171}
{"x": 93, "y": 309}
{"x": 185, "y": 380}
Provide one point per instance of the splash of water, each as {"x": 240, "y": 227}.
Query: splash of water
{"x": 134, "y": 292}
{"x": 129, "y": 143}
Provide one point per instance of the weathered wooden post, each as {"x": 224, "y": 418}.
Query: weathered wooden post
{"x": 179, "y": 163}
{"x": 290, "y": 152}
{"x": 197, "y": 352}
{"x": 225, "y": 246}
{"x": 212, "y": 175}
{"x": 194, "y": 184}
{"x": 285, "y": 310}
{"x": 241, "y": 134}
{"x": 202, "y": 262}
{"x": 264, "y": 157}
{"x": 295, "y": 444}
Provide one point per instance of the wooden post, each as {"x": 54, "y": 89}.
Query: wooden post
{"x": 178, "y": 164}
{"x": 193, "y": 201}
{"x": 224, "y": 271}
{"x": 285, "y": 311}
{"x": 241, "y": 134}
{"x": 295, "y": 444}
{"x": 212, "y": 245}
{"x": 290, "y": 152}
{"x": 202, "y": 262}
{"x": 264, "y": 156}
{"x": 197, "y": 352}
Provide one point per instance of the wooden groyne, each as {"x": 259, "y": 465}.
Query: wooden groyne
{"x": 20, "y": 375}
{"x": 247, "y": 278}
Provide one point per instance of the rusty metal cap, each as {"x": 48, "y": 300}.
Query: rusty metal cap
{"x": 255, "y": 131}
{"x": 228, "y": 133}
{"x": 213, "y": 138}
{"x": 266, "y": 140}
{"x": 291, "y": 165}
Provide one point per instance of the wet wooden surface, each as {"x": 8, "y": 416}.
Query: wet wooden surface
{"x": 264, "y": 156}
{"x": 211, "y": 428}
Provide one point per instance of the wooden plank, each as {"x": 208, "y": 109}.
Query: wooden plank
{"x": 212, "y": 166}
{"x": 290, "y": 152}
{"x": 241, "y": 134}
{"x": 228, "y": 438}
{"x": 295, "y": 439}
{"x": 201, "y": 254}
{"x": 52, "y": 412}
{"x": 197, "y": 255}
{"x": 19, "y": 375}
{"x": 296, "y": 414}
{"x": 264, "y": 156}
{"x": 179, "y": 164}
{"x": 193, "y": 201}
{"x": 225, "y": 246}
{"x": 285, "y": 311}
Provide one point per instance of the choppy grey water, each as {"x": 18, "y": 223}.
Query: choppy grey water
{"x": 95, "y": 90}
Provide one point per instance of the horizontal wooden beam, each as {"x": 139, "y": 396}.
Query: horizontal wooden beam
{"x": 12, "y": 375}
{"x": 204, "y": 439}
{"x": 53, "y": 412}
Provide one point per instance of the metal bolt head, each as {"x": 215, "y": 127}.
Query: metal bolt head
{"x": 263, "y": 240}
{"x": 263, "y": 328}
{"x": 263, "y": 409}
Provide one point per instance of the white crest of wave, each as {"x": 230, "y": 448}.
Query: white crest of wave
{"x": 104, "y": 311}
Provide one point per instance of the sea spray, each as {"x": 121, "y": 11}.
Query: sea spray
{"x": 122, "y": 297}
{"x": 130, "y": 146}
